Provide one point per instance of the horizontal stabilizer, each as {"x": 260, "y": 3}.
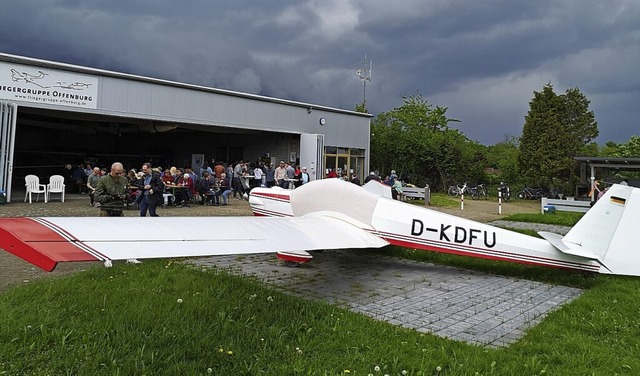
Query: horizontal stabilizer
{"x": 562, "y": 246}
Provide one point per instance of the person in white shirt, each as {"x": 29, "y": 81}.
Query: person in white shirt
{"x": 257, "y": 176}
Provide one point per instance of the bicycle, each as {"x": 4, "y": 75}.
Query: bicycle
{"x": 554, "y": 193}
{"x": 478, "y": 192}
{"x": 455, "y": 190}
{"x": 529, "y": 194}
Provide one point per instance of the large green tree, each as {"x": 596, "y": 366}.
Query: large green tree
{"x": 416, "y": 141}
{"x": 556, "y": 129}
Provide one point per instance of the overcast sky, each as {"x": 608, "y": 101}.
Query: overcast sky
{"x": 481, "y": 59}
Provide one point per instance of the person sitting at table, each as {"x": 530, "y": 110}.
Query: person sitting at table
{"x": 166, "y": 177}
{"x": 178, "y": 176}
{"x": 132, "y": 177}
{"x": 184, "y": 195}
{"x": 225, "y": 189}
{"x": 206, "y": 189}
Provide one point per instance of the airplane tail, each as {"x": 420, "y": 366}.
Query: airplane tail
{"x": 607, "y": 233}
{"x": 378, "y": 188}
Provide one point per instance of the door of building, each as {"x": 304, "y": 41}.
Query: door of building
{"x": 8, "y": 114}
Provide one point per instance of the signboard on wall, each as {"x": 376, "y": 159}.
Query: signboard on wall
{"x": 49, "y": 86}
{"x": 197, "y": 160}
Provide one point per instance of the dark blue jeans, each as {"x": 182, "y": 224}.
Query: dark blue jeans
{"x": 144, "y": 205}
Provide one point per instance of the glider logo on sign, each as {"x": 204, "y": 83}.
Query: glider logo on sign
{"x": 456, "y": 234}
{"x": 39, "y": 85}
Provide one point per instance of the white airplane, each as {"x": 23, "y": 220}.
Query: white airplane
{"x": 331, "y": 214}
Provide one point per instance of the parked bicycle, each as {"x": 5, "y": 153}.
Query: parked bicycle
{"x": 479, "y": 192}
{"x": 456, "y": 190}
{"x": 529, "y": 194}
{"x": 554, "y": 193}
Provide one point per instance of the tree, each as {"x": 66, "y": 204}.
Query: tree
{"x": 362, "y": 107}
{"x": 630, "y": 149}
{"x": 581, "y": 125}
{"x": 415, "y": 140}
{"x": 503, "y": 156}
{"x": 556, "y": 129}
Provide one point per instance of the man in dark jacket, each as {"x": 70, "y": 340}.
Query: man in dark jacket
{"x": 151, "y": 188}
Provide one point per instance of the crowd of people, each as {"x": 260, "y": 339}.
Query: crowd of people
{"x": 215, "y": 183}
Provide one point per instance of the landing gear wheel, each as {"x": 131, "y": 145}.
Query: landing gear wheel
{"x": 292, "y": 264}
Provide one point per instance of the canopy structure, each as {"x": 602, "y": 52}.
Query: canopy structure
{"x": 606, "y": 163}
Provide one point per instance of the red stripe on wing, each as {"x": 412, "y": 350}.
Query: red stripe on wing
{"x": 38, "y": 244}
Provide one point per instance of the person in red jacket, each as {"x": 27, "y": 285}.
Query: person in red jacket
{"x": 183, "y": 196}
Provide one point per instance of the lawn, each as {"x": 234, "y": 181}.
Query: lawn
{"x": 165, "y": 318}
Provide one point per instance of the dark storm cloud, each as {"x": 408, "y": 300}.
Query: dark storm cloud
{"x": 482, "y": 60}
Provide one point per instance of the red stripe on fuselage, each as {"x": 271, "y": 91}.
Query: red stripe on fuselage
{"x": 38, "y": 244}
{"x": 532, "y": 260}
{"x": 273, "y": 196}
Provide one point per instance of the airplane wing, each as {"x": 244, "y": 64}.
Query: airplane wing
{"x": 46, "y": 241}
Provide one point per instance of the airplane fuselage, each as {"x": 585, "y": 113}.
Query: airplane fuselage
{"x": 415, "y": 227}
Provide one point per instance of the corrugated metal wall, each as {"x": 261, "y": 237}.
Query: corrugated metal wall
{"x": 168, "y": 103}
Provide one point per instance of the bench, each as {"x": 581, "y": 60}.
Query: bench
{"x": 418, "y": 193}
{"x": 566, "y": 205}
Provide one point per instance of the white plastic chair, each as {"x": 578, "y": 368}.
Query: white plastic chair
{"x": 32, "y": 184}
{"x": 56, "y": 185}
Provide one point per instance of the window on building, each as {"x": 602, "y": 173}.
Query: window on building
{"x": 344, "y": 161}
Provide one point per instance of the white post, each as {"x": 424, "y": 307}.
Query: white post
{"x": 462, "y": 201}
{"x": 499, "y": 201}
{"x": 427, "y": 195}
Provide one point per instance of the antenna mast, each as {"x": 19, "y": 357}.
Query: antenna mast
{"x": 364, "y": 74}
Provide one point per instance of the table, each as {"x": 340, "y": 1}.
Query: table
{"x": 292, "y": 182}
{"x": 177, "y": 188}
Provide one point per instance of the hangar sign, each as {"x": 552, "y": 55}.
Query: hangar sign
{"x": 39, "y": 85}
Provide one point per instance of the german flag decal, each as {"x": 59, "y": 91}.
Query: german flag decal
{"x": 618, "y": 200}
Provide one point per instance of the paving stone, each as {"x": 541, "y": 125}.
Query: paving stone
{"x": 477, "y": 308}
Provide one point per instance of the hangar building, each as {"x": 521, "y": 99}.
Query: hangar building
{"x": 53, "y": 114}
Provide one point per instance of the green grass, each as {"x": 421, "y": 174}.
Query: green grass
{"x": 162, "y": 318}
{"x": 439, "y": 200}
{"x": 442, "y": 200}
{"x": 559, "y": 218}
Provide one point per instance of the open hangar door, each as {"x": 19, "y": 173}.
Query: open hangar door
{"x": 47, "y": 140}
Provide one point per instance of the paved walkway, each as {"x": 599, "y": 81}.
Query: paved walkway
{"x": 463, "y": 305}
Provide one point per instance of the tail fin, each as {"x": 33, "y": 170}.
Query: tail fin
{"x": 378, "y": 188}
{"x": 608, "y": 232}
